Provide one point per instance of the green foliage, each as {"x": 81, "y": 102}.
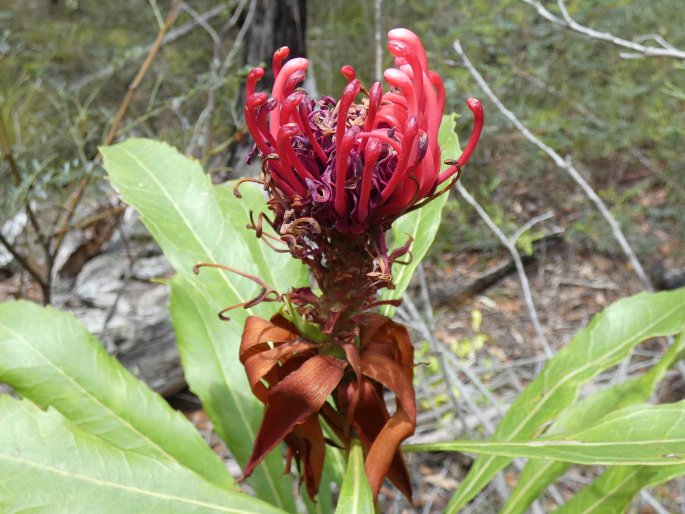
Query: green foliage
{"x": 538, "y": 474}
{"x": 613, "y": 491}
{"x": 422, "y": 224}
{"x": 578, "y": 95}
{"x": 49, "y": 465}
{"x": 355, "y": 492}
{"x": 639, "y": 435}
{"x": 195, "y": 222}
{"x": 52, "y": 360}
{"x": 608, "y": 339}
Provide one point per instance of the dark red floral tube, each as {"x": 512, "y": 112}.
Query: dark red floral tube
{"x": 377, "y": 158}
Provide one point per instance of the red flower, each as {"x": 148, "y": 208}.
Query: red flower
{"x": 356, "y": 165}
{"x": 338, "y": 174}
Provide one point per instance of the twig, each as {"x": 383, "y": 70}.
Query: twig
{"x": 133, "y": 86}
{"x": 154, "y": 49}
{"x": 436, "y": 489}
{"x": 170, "y": 37}
{"x": 217, "y": 73}
{"x": 44, "y": 282}
{"x": 450, "y": 377}
{"x": 23, "y": 262}
{"x": 653, "y": 502}
{"x": 425, "y": 325}
{"x": 238, "y": 41}
{"x": 640, "y": 50}
{"x": 566, "y": 165}
{"x": 203, "y": 123}
{"x": 378, "y": 38}
{"x": 510, "y": 245}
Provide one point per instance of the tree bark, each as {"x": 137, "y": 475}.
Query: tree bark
{"x": 276, "y": 23}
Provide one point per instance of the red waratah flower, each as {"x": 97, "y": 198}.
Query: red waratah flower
{"x": 338, "y": 173}
{"x": 356, "y": 165}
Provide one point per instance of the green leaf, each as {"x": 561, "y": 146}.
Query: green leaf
{"x": 209, "y": 352}
{"x": 614, "y": 490}
{"x": 50, "y": 466}
{"x": 642, "y": 434}
{"x": 538, "y": 474}
{"x": 608, "y": 339}
{"x": 193, "y": 222}
{"x": 421, "y": 224}
{"x": 355, "y": 493}
{"x": 50, "y": 358}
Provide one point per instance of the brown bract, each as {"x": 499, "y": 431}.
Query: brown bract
{"x": 294, "y": 378}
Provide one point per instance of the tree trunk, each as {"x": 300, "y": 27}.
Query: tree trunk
{"x": 276, "y": 23}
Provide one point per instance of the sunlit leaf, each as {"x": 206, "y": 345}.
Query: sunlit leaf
{"x": 538, "y": 474}
{"x": 50, "y": 466}
{"x": 608, "y": 339}
{"x": 355, "y": 493}
{"x": 50, "y": 358}
{"x": 194, "y": 222}
{"x": 642, "y": 434}
{"x": 421, "y": 224}
{"x": 614, "y": 489}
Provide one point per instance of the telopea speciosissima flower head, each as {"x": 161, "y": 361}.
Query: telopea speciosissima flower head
{"x": 338, "y": 173}
{"x": 355, "y": 164}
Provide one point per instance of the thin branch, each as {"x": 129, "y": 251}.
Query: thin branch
{"x": 378, "y": 39}
{"x": 24, "y": 263}
{"x": 8, "y": 154}
{"x": 510, "y": 245}
{"x": 154, "y": 49}
{"x": 204, "y": 121}
{"x": 44, "y": 282}
{"x": 638, "y": 50}
{"x": 133, "y": 86}
{"x": 566, "y": 165}
{"x": 425, "y": 325}
{"x": 237, "y": 43}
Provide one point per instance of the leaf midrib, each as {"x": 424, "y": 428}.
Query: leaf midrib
{"x": 124, "y": 487}
{"x": 95, "y": 399}
{"x": 223, "y": 275}
{"x": 236, "y": 400}
{"x": 181, "y": 214}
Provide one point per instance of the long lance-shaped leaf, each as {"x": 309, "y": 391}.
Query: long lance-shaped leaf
{"x": 50, "y": 358}
{"x": 355, "y": 493}
{"x": 50, "y": 466}
{"x": 538, "y": 474}
{"x": 608, "y": 339}
{"x": 613, "y": 491}
{"x": 421, "y": 224}
{"x": 641, "y": 434}
{"x": 195, "y": 222}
